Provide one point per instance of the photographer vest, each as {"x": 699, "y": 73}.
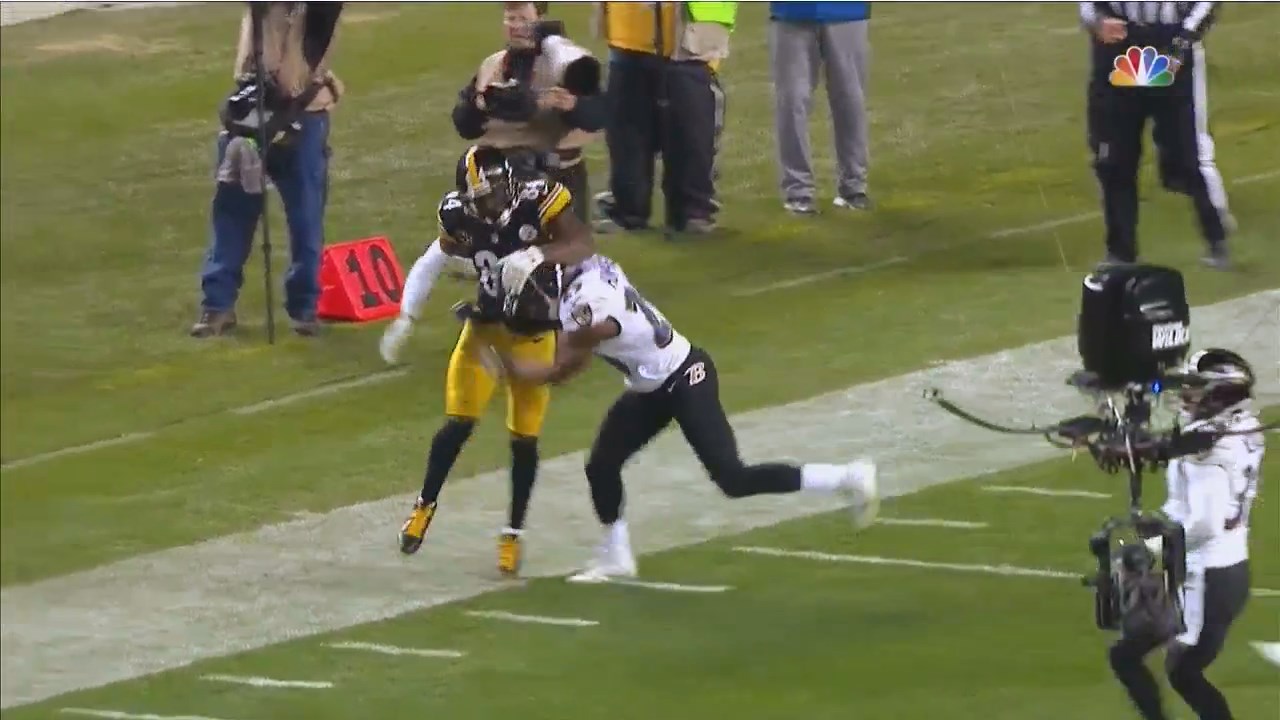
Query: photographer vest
{"x": 546, "y": 131}
{"x": 284, "y": 30}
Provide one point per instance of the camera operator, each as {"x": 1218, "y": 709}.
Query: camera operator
{"x": 538, "y": 100}
{"x": 299, "y": 92}
{"x": 1210, "y": 493}
{"x": 1118, "y": 110}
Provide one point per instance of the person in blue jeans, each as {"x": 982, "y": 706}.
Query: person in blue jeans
{"x": 295, "y": 54}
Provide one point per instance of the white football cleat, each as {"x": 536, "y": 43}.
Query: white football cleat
{"x": 394, "y": 338}
{"x": 860, "y": 485}
{"x": 613, "y": 560}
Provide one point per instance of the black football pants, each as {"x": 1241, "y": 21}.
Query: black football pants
{"x": 1116, "y": 122}
{"x": 691, "y": 397}
{"x": 684, "y": 129}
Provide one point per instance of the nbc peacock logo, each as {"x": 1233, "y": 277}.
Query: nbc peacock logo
{"x": 1143, "y": 67}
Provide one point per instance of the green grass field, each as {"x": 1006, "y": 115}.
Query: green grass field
{"x": 106, "y": 145}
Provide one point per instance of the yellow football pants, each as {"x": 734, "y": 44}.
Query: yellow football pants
{"x": 468, "y": 385}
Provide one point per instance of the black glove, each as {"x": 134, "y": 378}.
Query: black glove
{"x": 463, "y": 310}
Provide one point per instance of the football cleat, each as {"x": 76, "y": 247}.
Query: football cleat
{"x": 414, "y": 529}
{"x": 509, "y": 552}
{"x": 613, "y": 560}
{"x": 860, "y": 486}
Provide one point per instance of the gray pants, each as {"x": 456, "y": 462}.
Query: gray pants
{"x": 796, "y": 52}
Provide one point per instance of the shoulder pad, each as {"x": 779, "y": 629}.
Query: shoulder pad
{"x": 546, "y": 198}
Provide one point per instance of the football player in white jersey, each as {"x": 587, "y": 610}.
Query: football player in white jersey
{"x": 601, "y": 313}
{"x": 1210, "y": 494}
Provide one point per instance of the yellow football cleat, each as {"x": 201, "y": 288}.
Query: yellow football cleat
{"x": 509, "y": 553}
{"x": 415, "y": 528}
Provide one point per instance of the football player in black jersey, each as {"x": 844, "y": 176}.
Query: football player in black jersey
{"x": 491, "y": 216}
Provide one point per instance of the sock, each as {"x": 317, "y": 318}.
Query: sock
{"x": 820, "y": 476}
{"x": 445, "y": 447}
{"x": 524, "y": 470}
{"x": 618, "y": 535}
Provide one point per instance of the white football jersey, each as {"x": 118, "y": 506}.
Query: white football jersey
{"x": 648, "y": 350}
{"x": 1211, "y": 494}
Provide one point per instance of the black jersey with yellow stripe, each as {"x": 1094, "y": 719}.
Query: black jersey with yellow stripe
{"x": 533, "y": 207}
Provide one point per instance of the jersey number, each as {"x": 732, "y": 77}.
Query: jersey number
{"x": 487, "y": 265}
{"x": 1246, "y": 502}
{"x": 662, "y": 332}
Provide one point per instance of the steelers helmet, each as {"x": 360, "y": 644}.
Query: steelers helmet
{"x": 1219, "y": 379}
{"x": 484, "y": 177}
{"x": 539, "y": 300}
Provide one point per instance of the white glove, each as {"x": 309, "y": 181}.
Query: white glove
{"x": 1155, "y": 545}
{"x": 517, "y": 267}
{"x": 394, "y": 338}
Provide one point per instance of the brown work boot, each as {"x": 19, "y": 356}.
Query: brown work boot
{"x": 214, "y": 322}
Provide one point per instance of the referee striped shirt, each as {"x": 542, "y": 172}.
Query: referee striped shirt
{"x": 1191, "y": 17}
{"x": 1150, "y": 24}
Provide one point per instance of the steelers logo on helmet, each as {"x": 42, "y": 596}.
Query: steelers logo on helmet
{"x": 485, "y": 177}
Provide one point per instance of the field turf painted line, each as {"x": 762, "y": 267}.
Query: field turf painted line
{"x": 1269, "y": 650}
{"x": 906, "y": 562}
{"x": 1009, "y": 570}
{"x": 266, "y": 682}
{"x": 825, "y": 275}
{"x": 394, "y": 650}
{"x": 533, "y": 619}
{"x": 932, "y": 522}
{"x": 76, "y": 449}
{"x": 121, "y": 715}
{"x": 1048, "y": 492}
{"x": 152, "y": 613}
{"x": 668, "y": 586}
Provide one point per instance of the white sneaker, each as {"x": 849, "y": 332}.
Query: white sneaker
{"x": 612, "y": 560}
{"x": 393, "y": 340}
{"x": 860, "y": 485}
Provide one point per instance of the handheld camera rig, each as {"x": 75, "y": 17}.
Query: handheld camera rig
{"x": 1133, "y": 336}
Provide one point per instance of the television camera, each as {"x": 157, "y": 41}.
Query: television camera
{"x": 1133, "y": 336}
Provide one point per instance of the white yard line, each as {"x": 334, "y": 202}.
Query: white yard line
{"x": 76, "y": 450}
{"x": 932, "y": 522}
{"x": 815, "y": 277}
{"x": 153, "y": 612}
{"x": 266, "y": 682}
{"x": 121, "y": 715}
{"x": 1257, "y": 178}
{"x": 532, "y": 619}
{"x": 1270, "y": 651}
{"x": 906, "y": 562}
{"x": 1046, "y": 225}
{"x": 1048, "y": 492}
{"x": 330, "y": 389}
{"x": 1008, "y": 570}
{"x": 394, "y": 650}
{"x": 670, "y": 586}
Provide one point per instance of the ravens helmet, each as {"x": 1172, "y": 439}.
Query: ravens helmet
{"x": 539, "y": 301}
{"x": 484, "y": 176}
{"x": 1219, "y": 379}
